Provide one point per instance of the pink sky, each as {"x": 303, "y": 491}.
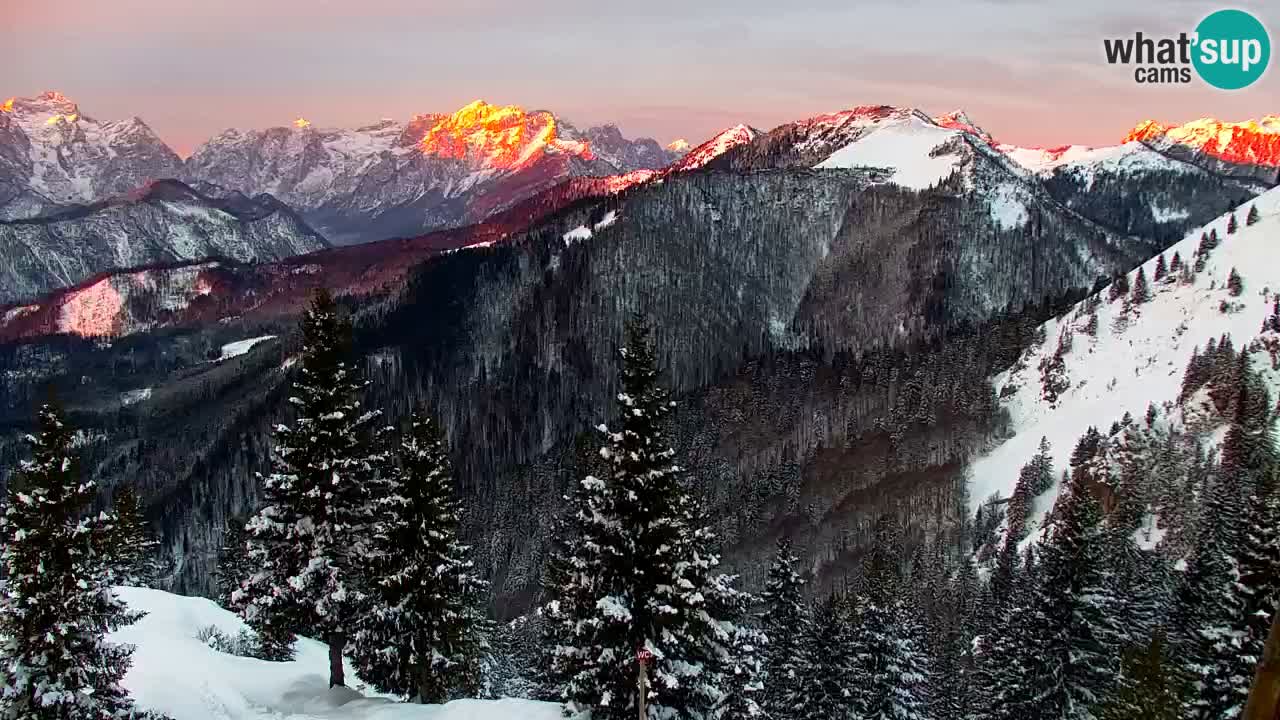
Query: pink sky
{"x": 1029, "y": 73}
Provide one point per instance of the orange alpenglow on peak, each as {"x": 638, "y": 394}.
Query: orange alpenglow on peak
{"x": 501, "y": 137}
{"x": 302, "y": 123}
{"x": 1254, "y": 142}
{"x": 7, "y": 106}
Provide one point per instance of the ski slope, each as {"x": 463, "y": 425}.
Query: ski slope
{"x": 1138, "y": 358}
{"x": 175, "y": 673}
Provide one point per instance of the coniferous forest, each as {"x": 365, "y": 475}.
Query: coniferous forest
{"x": 356, "y": 542}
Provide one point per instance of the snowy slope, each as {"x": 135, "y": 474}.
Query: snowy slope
{"x": 177, "y": 674}
{"x": 908, "y": 146}
{"x": 1138, "y": 357}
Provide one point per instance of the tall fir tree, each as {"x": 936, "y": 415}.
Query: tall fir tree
{"x": 1149, "y": 688}
{"x": 1252, "y": 217}
{"x": 890, "y": 666}
{"x": 423, "y": 637}
{"x": 642, "y": 572}
{"x": 58, "y": 606}
{"x": 307, "y": 541}
{"x": 1073, "y": 607}
{"x": 1235, "y": 283}
{"x": 1141, "y": 289}
{"x": 233, "y": 560}
{"x": 786, "y": 623}
{"x": 1234, "y": 636}
{"x": 832, "y": 674}
{"x": 134, "y": 548}
{"x": 1232, "y": 224}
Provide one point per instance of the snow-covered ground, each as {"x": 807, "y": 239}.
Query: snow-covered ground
{"x": 177, "y": 674}
{"x": 240, "y": 347}
{"x": 905, "y": 146}
{"x": 1139, "y": 358}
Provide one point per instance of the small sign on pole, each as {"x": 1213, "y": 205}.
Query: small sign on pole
{"x": 643, "y": 658}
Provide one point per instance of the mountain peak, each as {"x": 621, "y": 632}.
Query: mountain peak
{"x": 723, "y": 142}
{"x": 679, "y": 145}
{"x": 302, "y": 123}
{"x": 1254, "y": 142}
{"x": 959, "y": 120}
{"x": 495, "y": 136}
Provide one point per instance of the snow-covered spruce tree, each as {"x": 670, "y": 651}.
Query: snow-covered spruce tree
{"x": 1232, "y": 224}
{"x": 57, "y": 605}
{"x": 423, "y": 637}
{"x": 1073, "y": 665}
{"x": 1148, "y": 688}
{"x": 233, "y": 560}
{"x": 132, "y": 546}
{"x": 1235, "y": 640}
{"x": 1141, "y": 289}
{"x": 1162, "y": 269}
{"x": 1252, "y": 217}
{"x": 641, "y": 573}
{"x": 786, "y": 622}
{"x": 890, "y": 667}
{"x": 1235, "y": 283}
{"x": 831, "y": 675}
{"x": 743, "y": 690}
{"x": 307, "y": 541}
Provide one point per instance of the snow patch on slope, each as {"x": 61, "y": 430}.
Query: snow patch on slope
{"x": 906, "y": 147}
{"x": 240, "y": 347}
{"x": 175, "y": 673}
{"x": 1138, "y": 357}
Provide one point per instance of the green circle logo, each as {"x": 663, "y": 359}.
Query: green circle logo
{"x": 1232, "y": 49}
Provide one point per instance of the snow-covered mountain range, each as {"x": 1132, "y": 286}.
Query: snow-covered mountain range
{"x": 434, "y": 171}
{"x": 53, "y": 155}
{"x": 161, "y": 222}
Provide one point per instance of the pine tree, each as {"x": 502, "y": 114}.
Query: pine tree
{"x": 1235, "y": 283}
{"x": 307, "y": 540}
{"x": 1072, "y": 667}
{"x": 1119, "y": 287}
{"x": 1141, "y": 290}
{"x": 786, "y": 623}
{"x": 1148, "y": 688}
{"x": 889, "y": 662}
{"x": 58, "y": 606}
{"x": 641, "y": 572}
{"x": 1162, "y": 268}
{"x": 1175, "y": 265}
{"x": 233, "y": 560}
{"x": 1231, "y": 224}
{"x": 1207, "y": 597}
{"x": 133, "y": 547}
{"x": 1233, "y": 637}
{"x": 744, "y": 687}
{"x": 1252, "y": 217}
{"x": 832, "y": 673}
{"x": 1035, "y": 478}
{"x": 424, "y": 631}
{"x": 1272, "y": 322}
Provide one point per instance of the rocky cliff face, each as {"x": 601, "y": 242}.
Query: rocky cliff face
{"x": 163, "y": 222}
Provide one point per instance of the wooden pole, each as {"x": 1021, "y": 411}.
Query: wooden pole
{"x": 1264, "y": 697}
